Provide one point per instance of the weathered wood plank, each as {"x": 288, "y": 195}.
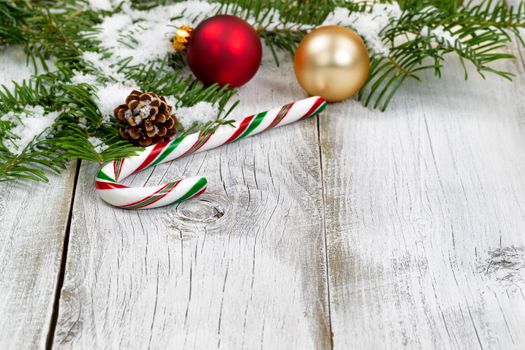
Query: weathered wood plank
{"x": 33, "y": 220}
{"x": 425, "y": 218}
{"x": 243, "y": 266}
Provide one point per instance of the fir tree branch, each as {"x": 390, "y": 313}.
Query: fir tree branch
{"x": 419, "y": 40}
{"x": 481, "y": 30}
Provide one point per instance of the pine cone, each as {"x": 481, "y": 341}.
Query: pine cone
{"x": 145, "y": 119}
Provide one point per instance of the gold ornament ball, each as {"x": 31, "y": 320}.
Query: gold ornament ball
{"x": 332, "y": 62}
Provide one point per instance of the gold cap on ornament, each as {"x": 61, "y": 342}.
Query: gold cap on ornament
{"x": 182, "y": 37}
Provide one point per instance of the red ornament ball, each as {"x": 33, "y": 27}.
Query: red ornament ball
{"x": 224, "y": 49}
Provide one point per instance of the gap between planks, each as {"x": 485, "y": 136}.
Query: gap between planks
{"x": 327, "y": 267}
{"x": 63, "y": 260}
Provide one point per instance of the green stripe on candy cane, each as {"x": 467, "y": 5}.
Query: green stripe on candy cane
{"x": 103, "y": 176}
{"x": 168, "y": 150}
{"x": 319, "y": 109}
{"x": 194, "y": 190}
{"x": 255, "y": 123}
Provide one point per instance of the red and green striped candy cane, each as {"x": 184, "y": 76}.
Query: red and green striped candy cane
{"x": 108, "y": 180}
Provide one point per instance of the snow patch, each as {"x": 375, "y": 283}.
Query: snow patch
{"x": 367, "y": 24}
{"x": 98, "y": 144}
{"x": 111, "y": 96}
{"x": 84, "y": 78}
{"x": 199, "y": 114}
{"x": 103, "y": 5}
{"x": 272, "y": 21}
{"x": 33, "y": 123}
{"x": 144, "y": 36}
{"x": 104, "y": 65}
{"x": 442, "y": 36}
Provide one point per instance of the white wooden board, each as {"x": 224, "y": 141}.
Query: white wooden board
{"x": 33, "y": 220}
{"x": 425, "y": 216}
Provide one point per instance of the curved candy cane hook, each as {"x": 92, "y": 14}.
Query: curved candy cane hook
{"x": 114, "y": 193}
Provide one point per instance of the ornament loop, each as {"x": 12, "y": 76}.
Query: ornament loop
{"x": 182, "y": 37}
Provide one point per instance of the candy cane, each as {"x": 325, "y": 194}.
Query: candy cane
{"x": 114, "y": 193}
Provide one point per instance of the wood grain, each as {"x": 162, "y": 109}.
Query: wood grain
{"x": 243, "y": 266}
{"x": 33, "y": 219}
{"x": 425, "y": 216}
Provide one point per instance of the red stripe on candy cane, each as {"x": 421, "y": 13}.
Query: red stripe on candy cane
{"x": 244, "y": 124}
{"x": 115, "y": 162}
{"x": 199, "y": 193}
{"x": 314, "y": 107}
{"x": 201, "y": 140}
{"x": 108, "y": 185}
{"x": 157, "y": 149}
